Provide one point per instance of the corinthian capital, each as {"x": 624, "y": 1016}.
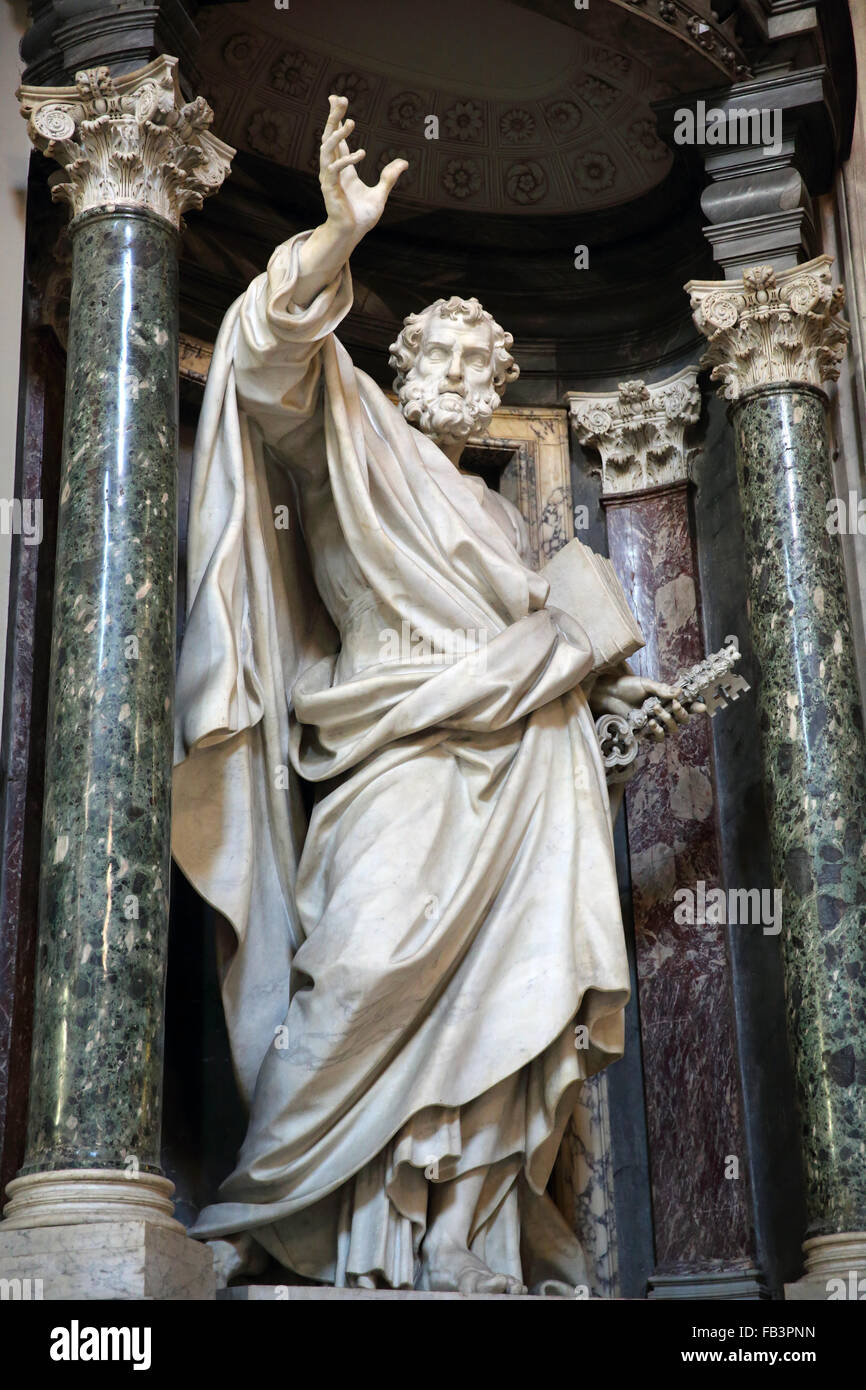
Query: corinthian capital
{"x": 128, "y": 141}
{"x": 773, "y": 326}
{"x": 639, "y": 430}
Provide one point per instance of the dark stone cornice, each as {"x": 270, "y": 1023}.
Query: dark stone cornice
{"x": 67, "y": 35}
{"x": 809, "y": 104}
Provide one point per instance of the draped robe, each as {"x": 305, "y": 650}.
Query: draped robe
{"x": 402, "y": 975}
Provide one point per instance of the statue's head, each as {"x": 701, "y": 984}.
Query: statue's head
{"x": 452, "y": 362}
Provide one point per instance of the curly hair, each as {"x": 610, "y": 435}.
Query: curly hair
{"x": 405, "y": 350}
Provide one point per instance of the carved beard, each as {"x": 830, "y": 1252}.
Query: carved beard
{"x": 423, "y": 405}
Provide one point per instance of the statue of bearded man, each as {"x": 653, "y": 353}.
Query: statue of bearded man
{"x": 442, "y": 403}
{"x": 410, "y": 851}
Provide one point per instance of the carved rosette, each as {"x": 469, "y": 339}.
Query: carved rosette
{"x": 773, "y": 327}
{"x": 639, "y": 430}
{"x": 128, "y": 141}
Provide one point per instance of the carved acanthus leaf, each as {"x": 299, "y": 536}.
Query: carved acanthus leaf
{"x": 128, "y": 141}
{"x": 639, "y": 430}
{"x": 771, "y": 327}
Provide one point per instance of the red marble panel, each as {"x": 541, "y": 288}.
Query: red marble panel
{"x": 694, "y": 1112}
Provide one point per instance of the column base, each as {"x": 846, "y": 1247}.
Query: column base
{"x": 719, "y": 1284}
{"x": 106, "y": 1260}
{"x": 79, "y": 1196}
{"x": 835, "y": 1269}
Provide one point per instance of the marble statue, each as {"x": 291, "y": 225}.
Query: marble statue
{"x": 410, "y": 954}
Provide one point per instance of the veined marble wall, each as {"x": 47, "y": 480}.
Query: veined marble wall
{"x": 690, "y": 1051}
{"x": 13, "y": 193}
{"x": 769, "y": 1114}
{"x": 842, "y": 216}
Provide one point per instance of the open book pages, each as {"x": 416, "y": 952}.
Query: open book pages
{"x": 584, "y": 585}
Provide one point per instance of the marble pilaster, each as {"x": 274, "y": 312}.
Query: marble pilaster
{"x": 701, "y": 1217}
{"x": 774, "y": 338}
{"x": 134, "y": 157}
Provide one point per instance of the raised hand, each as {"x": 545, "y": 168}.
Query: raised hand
{"x": 353, "y": 207}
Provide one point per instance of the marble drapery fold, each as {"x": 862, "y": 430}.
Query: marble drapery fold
{"x": 426, "y": 945}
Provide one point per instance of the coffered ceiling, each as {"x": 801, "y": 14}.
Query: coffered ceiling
{"x": 533, "y": 116}
{"x": 545, "y": 137}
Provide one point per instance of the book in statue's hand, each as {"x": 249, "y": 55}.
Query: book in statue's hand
{"x": 584, "y": 585}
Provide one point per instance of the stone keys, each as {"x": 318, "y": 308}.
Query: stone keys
{"x": 712, "y": 682}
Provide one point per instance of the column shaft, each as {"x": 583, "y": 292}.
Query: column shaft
{"x": 814, "y": 756}
{"x": 106, "y": 858}
{"x": 774, "y": 338}
{"x": 134, "y": 158}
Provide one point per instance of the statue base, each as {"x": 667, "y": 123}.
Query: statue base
{"x": 307, "y": 1293}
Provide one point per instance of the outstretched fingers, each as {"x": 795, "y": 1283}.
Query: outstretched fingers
{"x": 345, "y": 160}
{"x": 390, "y": 174}
{"x": 347, "y": 198}
{"x": 338, "y": 107}
{"x": 333, "y": 150}
{"x": 336, "y": 137}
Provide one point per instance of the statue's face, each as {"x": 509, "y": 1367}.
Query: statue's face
{"x": 448, "y": 392}
{"x": 456, "y": 356}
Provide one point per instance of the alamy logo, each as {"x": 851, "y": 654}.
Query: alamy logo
{"x": 20, "y": 1289}
{"x": 846, "y": 518}
{"x": 854, "y": 1290}
{"x": 23, "y": 519}
{"x": 715, "y": 127}
{"x": 740, "y": 907}
{"x": 450, "y": 644}
{"x": 77, "y": 1343}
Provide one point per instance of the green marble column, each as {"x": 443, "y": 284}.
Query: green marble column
{"x": 773, "y": 339}
{"x": 134, "y": 158}
{"x": 96, "y": 1075}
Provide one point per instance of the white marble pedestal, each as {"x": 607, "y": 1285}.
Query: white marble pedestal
{"x": 835, "y": 1269}
{"x": 108, "y": 1259}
